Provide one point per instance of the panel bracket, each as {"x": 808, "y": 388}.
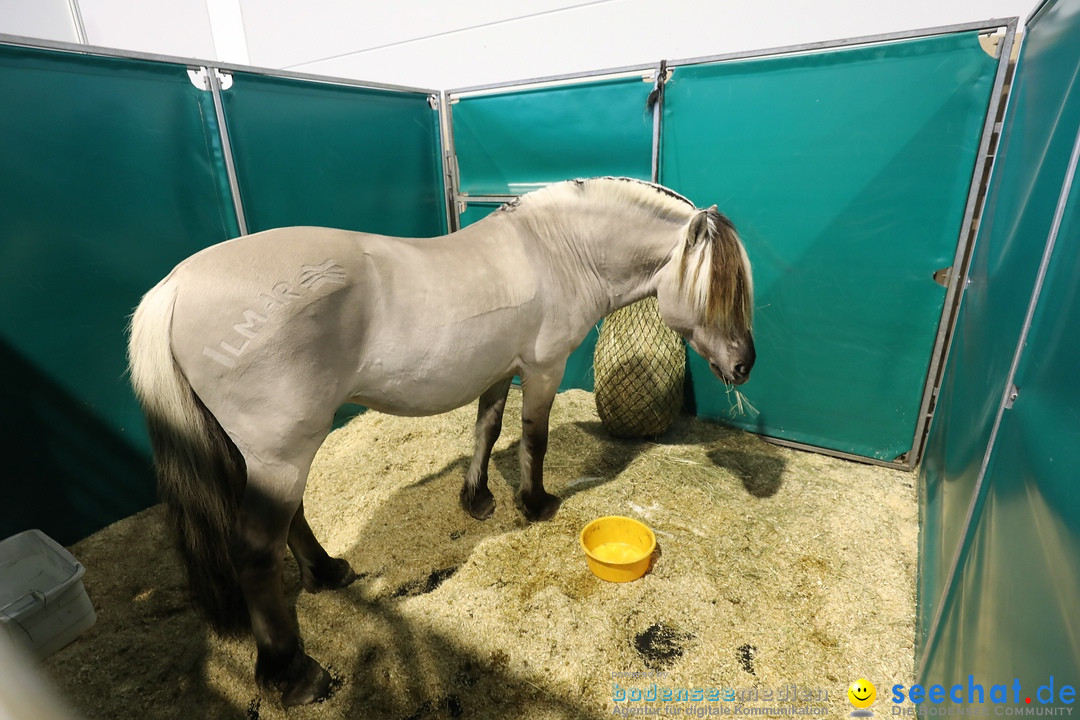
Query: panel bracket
{"x": 991, "y": 43}
{"x": 200, "y": 78}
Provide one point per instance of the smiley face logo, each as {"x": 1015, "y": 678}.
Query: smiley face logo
{"x": 862, "y": 693}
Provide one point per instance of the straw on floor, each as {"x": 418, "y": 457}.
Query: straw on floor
{"x": 775, "y": 568}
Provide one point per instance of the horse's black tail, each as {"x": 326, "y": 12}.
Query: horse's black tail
{"x": 201, "y": 473}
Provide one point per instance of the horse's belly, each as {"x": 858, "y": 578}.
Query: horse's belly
{"x": 425, "y": 363}
{"x": 429, "y": 393}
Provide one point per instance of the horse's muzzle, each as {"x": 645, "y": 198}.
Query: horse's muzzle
{"x": 739, "y": 374}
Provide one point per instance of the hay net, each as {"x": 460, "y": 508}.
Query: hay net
{"x": 639, "y": 365}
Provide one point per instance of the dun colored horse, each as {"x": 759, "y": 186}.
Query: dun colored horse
{"x": 242, "y": 354}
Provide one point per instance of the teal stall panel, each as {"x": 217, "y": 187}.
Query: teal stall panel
{"x": 847, "y": 174}
{"x": 1010, "y": 612}
{"x": 1031, "y": 163}
{"x": 1015, "y": 607}
{"x": 310, "y": 153}
{"x": 112, "y": 173}
{"x": 516, "y": 141}
{"x": 579, "y": 369}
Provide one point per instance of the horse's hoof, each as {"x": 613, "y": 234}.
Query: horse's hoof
{"x": 335, "y": 575}
{"x": 540, "y": 507}
{"x": 480, "y": 503}
{"x": 303, "y": 682}
{"x": 311, "y": 686}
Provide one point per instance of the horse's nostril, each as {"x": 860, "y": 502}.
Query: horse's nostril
{"x": 741, "y": 370}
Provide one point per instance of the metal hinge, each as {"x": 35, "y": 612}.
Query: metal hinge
{"x": 200, "y": 78}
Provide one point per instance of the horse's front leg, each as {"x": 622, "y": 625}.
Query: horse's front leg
{"x": 538, "y": 394}
{"x": 263, "y": 523}
{"x": 476, "y": 498}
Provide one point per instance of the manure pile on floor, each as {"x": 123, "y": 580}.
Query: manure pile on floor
{"x": 775, "y": 568}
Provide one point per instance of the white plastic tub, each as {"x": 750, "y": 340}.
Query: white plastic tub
{"x": 43, "y": 604}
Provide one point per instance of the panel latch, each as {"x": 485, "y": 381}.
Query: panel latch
{"x": 943, "y": 276}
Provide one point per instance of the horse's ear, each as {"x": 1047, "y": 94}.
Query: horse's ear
{"x": 699, "y": 229}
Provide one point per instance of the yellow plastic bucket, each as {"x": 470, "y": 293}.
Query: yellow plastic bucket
{"x": 617, "y": 549}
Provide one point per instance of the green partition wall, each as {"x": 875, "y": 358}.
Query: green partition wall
{"x": 114, "y": 170}
{"x": 847, "y": 173}
{"x": 999, "y": 574}
{"x": 335, "y": 155}
{"x": 516, "y": 140}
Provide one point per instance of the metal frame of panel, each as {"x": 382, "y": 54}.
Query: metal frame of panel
{"x": 449, "y": 163}
{"x": 1006, "y": 26}
{"x": 214, "y": 81}
{"x": 963, "y": 247}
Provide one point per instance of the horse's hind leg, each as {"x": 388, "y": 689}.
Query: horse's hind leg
{"x": 318, "y": 571}
{"x": 476, "y": 498}
{"x": 271, "y": 500}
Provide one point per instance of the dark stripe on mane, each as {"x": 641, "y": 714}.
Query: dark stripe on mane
{"x": 658, "y": 188}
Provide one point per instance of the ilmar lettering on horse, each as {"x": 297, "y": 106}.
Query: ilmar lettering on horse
{"x": 310, "y": 278}
{"x": 242, "y": 354}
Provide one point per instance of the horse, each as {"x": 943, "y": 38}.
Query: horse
{"x": 241, "y": 355}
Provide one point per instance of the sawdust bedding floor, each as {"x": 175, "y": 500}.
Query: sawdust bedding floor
{"x": 775, "y": 568}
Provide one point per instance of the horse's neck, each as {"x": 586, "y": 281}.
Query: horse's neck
{"x": 614, "y": 253}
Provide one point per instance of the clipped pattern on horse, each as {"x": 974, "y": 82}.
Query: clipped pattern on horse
{"x": 242, "y": 354}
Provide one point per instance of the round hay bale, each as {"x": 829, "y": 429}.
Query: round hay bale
{"x": 639, "y": 364}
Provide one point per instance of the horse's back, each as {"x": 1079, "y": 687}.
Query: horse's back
{"x": 301, "y": 319}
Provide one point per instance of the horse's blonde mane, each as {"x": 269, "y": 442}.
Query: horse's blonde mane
{"x": 715, "y": 274}
{"x": 657, "y": 199}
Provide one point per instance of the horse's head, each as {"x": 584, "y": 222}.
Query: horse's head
{"x": 706, "y": 293}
